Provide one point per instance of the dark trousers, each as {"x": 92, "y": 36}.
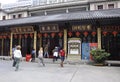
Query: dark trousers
{"x": 55, "y": 58}
{"x": 14, "y": 63}
{"x": 33, "y": 58}
{"x": 41, "y": 60}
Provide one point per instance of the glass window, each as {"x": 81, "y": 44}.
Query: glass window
{"x": 4, "y": 17}
{"x": 100, "y": 7}
{"x": 110, "y": 6}
{"x": 19, "y": 15}
{"x": 14, "y": 16}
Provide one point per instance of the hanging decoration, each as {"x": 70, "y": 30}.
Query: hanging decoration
{"x": 53, "y": 35}
{"x": 77, "y": 34}
{"x": 20, "y": 36}
{"x": 15, "y": 36}
{"x": 45, "y": 35}
{"x": 69, "y": 34}
{"x": 4, "y": 37}
{"x": 26, "y": 35}
{"x": 9, "y": 36}
{"x": 85, "y": 34}
{"x": 0, "y": 37}
{"x": 93, "y": 33}
{"x": 114, "y": 33}
{"x": 105, "y": 33}
{"x": 39, "y": 35}
{"x": 31, "y": 35}
{"x": 60, "y": 34}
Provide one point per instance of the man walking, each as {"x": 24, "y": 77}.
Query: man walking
{"x": 62, "y": 57}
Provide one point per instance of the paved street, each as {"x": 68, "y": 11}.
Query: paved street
{"x": 33, "y": 72}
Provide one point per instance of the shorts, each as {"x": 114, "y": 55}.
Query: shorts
{"x": 62, "y": 58}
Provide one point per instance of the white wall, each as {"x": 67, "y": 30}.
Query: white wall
{"x": 118, "y": 4}
{"x": 93, "y": 6}
{"x": 3, "y": 14}
{"x": 24, "y": 14}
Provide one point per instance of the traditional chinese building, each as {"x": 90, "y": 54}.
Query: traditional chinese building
{"x": 77, "y": 32}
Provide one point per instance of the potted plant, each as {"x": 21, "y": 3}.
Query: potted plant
{"x": 99, "y": 55}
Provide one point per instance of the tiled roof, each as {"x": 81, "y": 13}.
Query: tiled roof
{"x": 83, "y": 15}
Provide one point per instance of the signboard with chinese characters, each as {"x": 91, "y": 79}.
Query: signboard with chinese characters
{"x": 22, "y": 29}
{"x": 82, "y": 27}
{"x": 74, "y": 46}
{"x": 49, "y": 28}
{"x": 111, "y": 28}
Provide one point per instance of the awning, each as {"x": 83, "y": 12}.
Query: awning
{"x": 83, "y": 15}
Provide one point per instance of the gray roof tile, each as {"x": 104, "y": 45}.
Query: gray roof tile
{"x": 101, "y": 14}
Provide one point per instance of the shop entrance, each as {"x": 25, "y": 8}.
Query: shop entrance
{"x": 52, "y": 40}
{"x": 4, "y": 44}
{"x": 111, "y": 43}
{"x": 26, "y": 42}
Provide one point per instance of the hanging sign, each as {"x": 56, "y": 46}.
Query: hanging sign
{"x": 49, "y": 28}
{"x": 22, "y": 29}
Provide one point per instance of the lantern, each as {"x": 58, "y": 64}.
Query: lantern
{"x": 114, "y": 33}
{"x": 70, "y": 34}
{"x": 93, "y": 33}
{"x": 31, "y": 35}
{"x": 4, "y": 37}
{"x": 45, "y": 35}
{"x": 26, "y": 35}
{"x": 60, "y": 34}
{"x": 0, "y": 37}
{"x": 20, "y": 36}
{"x": 85, "y": 34}
{"x": 39, "y": 35}
{"x": 15, "y": 36}
{"x": 9, "y": 36}
{"x": 104, "y": 33}
{"x": 77, "y": 34}
{"x": 53, "y": 35}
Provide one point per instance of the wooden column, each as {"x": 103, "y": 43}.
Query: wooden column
{"x": 19, "y": 41}
{"x": 35, "y": 40}
{"x": 99, "y": 37}
{"x": 2, "y": 46}
{"x": 41, "y": 41}
{"x": 65, "y": 41}
{"x": 11, "y": 40}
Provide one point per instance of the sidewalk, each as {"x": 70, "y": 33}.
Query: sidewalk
{"x": 33, "y": 72}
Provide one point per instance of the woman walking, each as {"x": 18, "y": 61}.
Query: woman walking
{"x": 40, "y": 55}
{"x": 17, "y": 57}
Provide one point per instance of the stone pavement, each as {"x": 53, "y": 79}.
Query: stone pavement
{"x": 34, "y": 72}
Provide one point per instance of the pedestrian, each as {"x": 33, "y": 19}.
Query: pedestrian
{"x": 33, "y": 54}
{"x": 17, "y": 57}
{"x": 46, "y": 52}
{"x": 55, "y": 54}
{"x": 62, "y": 56}
{"x": 13, "y": 49}
{"x": 40, "y": 56}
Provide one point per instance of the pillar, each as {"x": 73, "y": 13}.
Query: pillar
{"x": 65, "y": 41}
{"x": 99, "y": 37}
{"x": 40, "y": 41}
{"x": 2, "y": 46}
{"x": 11, "y": 40}
{"x": 35, "y": 40}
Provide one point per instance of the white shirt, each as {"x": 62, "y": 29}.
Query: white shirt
{"x": 17, "y": 54}
{"x": 40, "y": 54}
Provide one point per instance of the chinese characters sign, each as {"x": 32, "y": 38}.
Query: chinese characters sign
{"x": 49, "y": 28}
{"x": 22, "y": 29}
